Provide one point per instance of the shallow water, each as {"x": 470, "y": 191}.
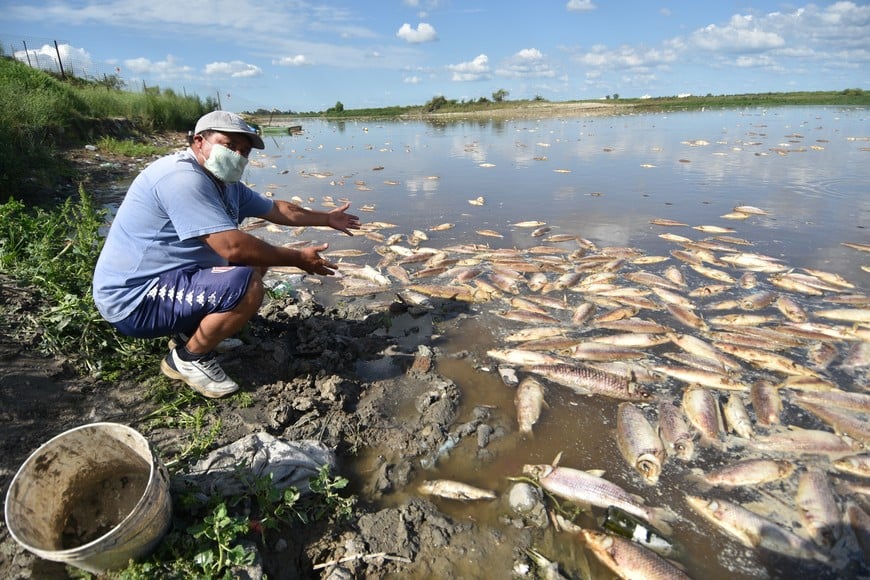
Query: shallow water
{"x": 603, "y": 179}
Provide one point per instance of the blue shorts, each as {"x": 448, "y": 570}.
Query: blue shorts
{"x": 183, "y": 297}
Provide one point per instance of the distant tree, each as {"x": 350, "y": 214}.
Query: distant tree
{"x": 435, "y": 103}
{"x": 539, "y": 98}
{"x": 500, "y": 95}
{"x": 607, "y": 97}
{"x": 482, "y": 100}
{"x": 615, "y": 96}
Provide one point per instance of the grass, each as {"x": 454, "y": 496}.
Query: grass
{"x": 40, "y": 113}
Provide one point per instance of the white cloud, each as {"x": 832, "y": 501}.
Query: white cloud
{"x": 741, "y": 34}
{"x": 167, "y": 69}
{"x": 625, "y": 56}
{"x": 234, "y": 69}
{"x": 527, "y": 63}
{"x": 45, "y": 58}
{"x": 580, "y": 5}
{"x": 424, "y": 33}
{"x": 470, "y": 71}
{"x": 412, "y": 80}
{"x": 297, "y": 60}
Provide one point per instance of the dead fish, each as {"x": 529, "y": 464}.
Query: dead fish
{"x": 753, "y": 530}
{"x": 632, "y": 339}
{"x": 855, "y": 425}
{"x": 688, "y": 317}
{"x": 556, "y": 238}
{"x": 697, "y": 346}
{"x": 818, "y": 508}
{"x": 454, "y": 490}
{"x": 675, "y": 433}
{"x": 709, "y": 290}
{"x": 523, "y": 357}
{"x": 631, "y": 324}
{"x": 536, "y": 333}
{"x": 749, "y": 472}
{"x": 489, "y": 233}
{"x": 529, "y": 401}
{"x": 737, "y": 417}
{"x": 840, "y": 399}
{"x": 447, "y": 292}
{"x": 667, "y": 222}
{"x": 710, "y": 379}
{"x": 628, "y": 559}
{"x": 589, "y": 381}
{"x": 858, "y": 315}
{"x": 750, "y": 209}
{"x": 789, "y": 308}
{"x": 741, "y": 319}
{"x": 757, "y": 300}
{"x": 538, "y": 232}
{"x": 604, "y": 352}
{"x": 798, "y": 441}
{"x": 713, "y": 273}
{"x": 766, "y": 360}
{"x": 529, "y": 224}
{"x": 551, "y": 343}
{"x": 829, "y": 277}
{"x": 589, "y": 488}
{"x": 854, "y": 465}
{"x": 442, "y": 227}
{"x": 528, "y": 317}
{"x": 766, "y": 402}
{"x": 639, "y": 443}
{"x": 702, "y": 409}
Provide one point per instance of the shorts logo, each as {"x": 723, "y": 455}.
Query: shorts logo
{"x": 222, "y": 269}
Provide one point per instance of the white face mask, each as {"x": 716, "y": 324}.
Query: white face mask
{"x": 225, "y": 164}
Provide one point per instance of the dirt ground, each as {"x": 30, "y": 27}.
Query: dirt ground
{"x": 299, "y": 363}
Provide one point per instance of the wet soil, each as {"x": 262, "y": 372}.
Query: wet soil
{"x": 358, "y": 375}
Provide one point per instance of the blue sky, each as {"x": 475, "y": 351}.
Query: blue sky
{"x": 303, "y": 55}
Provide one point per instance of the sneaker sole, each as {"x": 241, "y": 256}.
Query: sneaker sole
{"x": 175, "y": 375}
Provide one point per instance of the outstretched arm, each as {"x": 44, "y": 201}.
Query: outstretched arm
{"x": 290, "y": 214}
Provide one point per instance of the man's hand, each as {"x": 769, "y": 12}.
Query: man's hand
{"x": 342, "y": 221}
{"x": 312, "y": 262}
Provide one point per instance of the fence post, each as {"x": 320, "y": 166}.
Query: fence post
{"x": 59, "y": 61}
{"x": 26, "y": 53}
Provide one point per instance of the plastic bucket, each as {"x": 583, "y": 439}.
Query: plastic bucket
{"x": 93, "y": 497}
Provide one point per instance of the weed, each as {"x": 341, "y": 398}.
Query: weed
{"x": 55, "y": 251}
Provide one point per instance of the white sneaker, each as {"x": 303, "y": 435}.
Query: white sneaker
{"x": 205, "y": 375}
{"x": 226, "y": 345}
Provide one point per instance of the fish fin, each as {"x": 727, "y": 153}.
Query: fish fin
{"x": 557, "y": 459}
{"x": 696, "y": 477}
{"x": 596, "y": 472}
{"x": 661, "y": 518}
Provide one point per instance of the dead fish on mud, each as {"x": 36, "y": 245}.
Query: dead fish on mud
{"x": 585, "y": 487}
{"x": 628, "y": 559}
{"x": 639, "y": 443}
{"x": 589, "y": 381}
{"x": 529, "y": 401}
{"x": 454, "y": 490}
{"x": 753, "y": 530}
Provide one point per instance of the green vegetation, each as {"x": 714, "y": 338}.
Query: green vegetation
{"x": 440, "y": 104}
{"x": 55, "y": 251}
{"x": 207, "y": 535}
{"x": 39, "y": 112}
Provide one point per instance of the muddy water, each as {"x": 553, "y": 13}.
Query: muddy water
{"x": 602, "y": 178}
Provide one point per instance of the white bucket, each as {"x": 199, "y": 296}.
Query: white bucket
{"x": 93, "y": 497}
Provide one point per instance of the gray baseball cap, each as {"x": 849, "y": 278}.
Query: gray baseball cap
{"x": 227, "y": 122}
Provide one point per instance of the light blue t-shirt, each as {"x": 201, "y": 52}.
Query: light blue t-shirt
{"x": 168, "y": 207}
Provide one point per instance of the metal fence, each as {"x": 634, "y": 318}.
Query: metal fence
{"x": 56, "y": 56}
